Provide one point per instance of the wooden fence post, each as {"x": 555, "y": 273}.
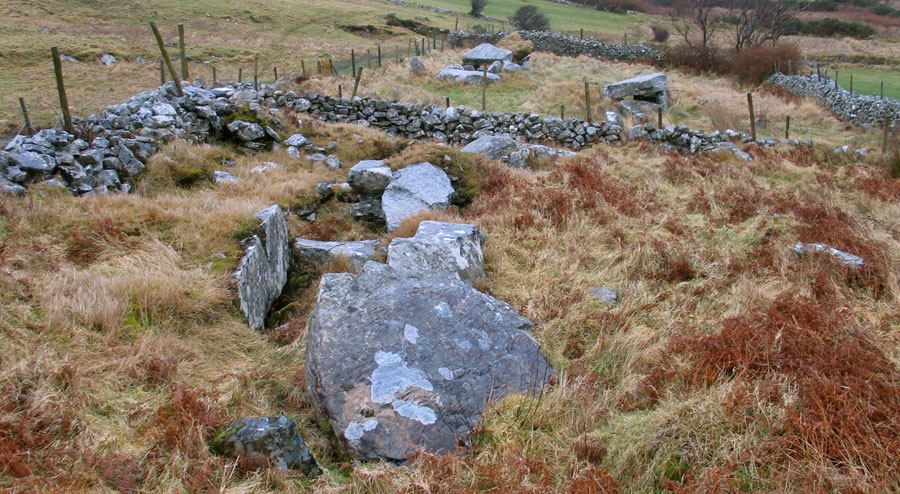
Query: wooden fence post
{"x": 448, "y": 101}
{"x": 275, "y": 70}
{"x": 214, "y": 76}
{"x": 562, "y": 112}
{"x": 26, "y": 117}
{"x": 587, "y": 101}
{"x": 881, "y": 93}
{"x": 837, "y": 73}
{"x": 162, "y": 51}
{"x": 851, "y": 84}
{"x": 352, "y": 62}
{"x": 356, "y": 84}
{"x": 884, "y": 135}
{"x": 61, "y": 88}
{"x": 256, "y": 73}
{"x": 456, "y": 27}
{"x": 340, "y": 91}
{"x": 752, "y": 117}
{"x": 484, "y": 83}
{"x": 184, "y": 66}
{"x": 162, "y": 72}
{"x": 303, "y": 68}
{"x": 240, "y": 75}
{"x": 787, "y": 127}
{"x": 582, "y": 33}
{"x": 379, "y": 54}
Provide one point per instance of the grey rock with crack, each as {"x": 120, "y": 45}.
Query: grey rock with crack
{"x": 414, "y": 189}
{"x": 452, "y": 248}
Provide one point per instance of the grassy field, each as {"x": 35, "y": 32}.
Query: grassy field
{"x": 563, "y": 18}
{"x": 730, "y": 363}
{"x": 867, "y": 80}
{"x": 227, "y": 34}
{"x": 701, "y": 102}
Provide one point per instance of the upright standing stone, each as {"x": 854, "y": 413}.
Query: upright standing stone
{"x": 262, "y": 272}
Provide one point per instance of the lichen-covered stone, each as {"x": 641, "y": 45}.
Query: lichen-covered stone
{"x": 400, "y": 361}
{"x": 452, "y": 248}
{"x": 413, "y": 189}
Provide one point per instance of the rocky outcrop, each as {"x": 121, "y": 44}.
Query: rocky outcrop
{"x": 274, "y": 439}
{"x": 399, "y": 361}
{"x": 320, "y": 253}
{"x": 865, "y": 110}
{"x": 262, "y": 272}
{"x": 413, "y": 189}
{"x": 452, "y": 248}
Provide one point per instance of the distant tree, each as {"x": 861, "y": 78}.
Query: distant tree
{"x": 477, "y": 8}
{"x": 660, "y": 34}
{"x": 759, "y": 21}
{"x": 693, "y": 20}
{"x": 528, "y": 18}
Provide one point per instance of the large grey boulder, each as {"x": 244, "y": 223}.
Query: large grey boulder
{"x": 262, "y": 272}
{"x": 486, "y": 53}
{"x": 452, "y": 248}
{"x": 414, "y": 189}
{"x": 401, "y": 361}
{"x": 370, "y": 177}
{"x": 273, "y": 438}
{"x": 493, "y": 147}
{"x": 320, "y": 253}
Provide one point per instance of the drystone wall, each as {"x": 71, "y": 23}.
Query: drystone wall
{"x": 567, "y": 46}
{"x": 865, "y": 110}
{"x": 126, "y": 135}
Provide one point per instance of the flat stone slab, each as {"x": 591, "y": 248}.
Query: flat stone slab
{"x": 486, "y": 53}
{"x": 644, "y": 85}
{"x": 452, "y": 248}
{"x": 401, "y": 361}
{"x": 320, "y": 252}
{"x": 846, "y": 258}
{"x": 472, "y": 77}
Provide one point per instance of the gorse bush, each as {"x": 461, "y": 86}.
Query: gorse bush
{"x": 477, "y": 8}
{"x": 528, "y": 18}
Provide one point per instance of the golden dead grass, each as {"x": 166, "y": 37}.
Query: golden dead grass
{"x": 121, "y": 345}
